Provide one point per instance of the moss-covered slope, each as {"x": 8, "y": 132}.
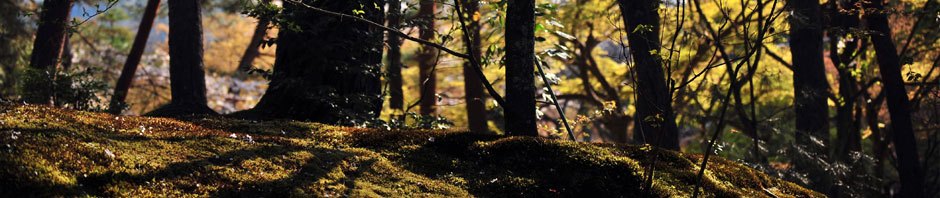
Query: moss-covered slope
{"x": 53, "y": 152}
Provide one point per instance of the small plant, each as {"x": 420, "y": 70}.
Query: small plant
{"x": 75, "y": 89}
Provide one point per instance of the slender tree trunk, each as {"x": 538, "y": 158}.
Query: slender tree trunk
{"x": 899, "y": 107}
{"x": 849, "y": 138}
{"x": 655, "y": 120}
{"x": 879, "y": 142}
{"x": 520, "y": 60}
{"x": 810, "y": 88}
{"x": 133, "y": 59}
{"x": 396, "y": 99}
{"x": 473, "y": 89}
{"x": 187, "y": 76}
{"x": 48, "y": 48}
{"x": 328, "y": 70}
{"x": 427, "y": 58}
{"x": 252, "y": 51}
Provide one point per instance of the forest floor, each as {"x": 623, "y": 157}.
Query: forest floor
{"x": 54, "y": 152}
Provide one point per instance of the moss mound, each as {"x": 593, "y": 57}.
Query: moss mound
{"x": 53, "y": 152}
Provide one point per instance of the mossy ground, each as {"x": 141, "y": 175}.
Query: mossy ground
{"x": 52, "y": 152}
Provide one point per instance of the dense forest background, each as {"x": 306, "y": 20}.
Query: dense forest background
{"x": 837, "y": 95}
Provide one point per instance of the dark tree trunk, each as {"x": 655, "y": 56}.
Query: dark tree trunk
{"x": 520, "y": 60}
{"x": 133, "y": 59}
{"x": 187, "y": 76}
{"x": 899, "y": 107}
{"x": 48, "y": 48}
{"x": 810, "y": 88}
{"x": 843, "y": 19}
{"x": 879, "y": 140}
{"x": 427, "y": 58}
{"x": 328, "y": 69}
{"x": 473, "y": 89}
{"x": 396, "y": 99}
{"x": 252, "y": 51}
{"x": 655, "y": 121}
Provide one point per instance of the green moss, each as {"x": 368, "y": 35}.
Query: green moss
{"x": 53, "y": 152}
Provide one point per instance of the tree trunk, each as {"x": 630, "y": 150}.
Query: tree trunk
{"x": 810, "y": 88}
{"x": 899, "y": 107}
{"x": 655, "y": 121}
{"x": 396, "y": 99}
{"x": 520, "y": 60}
{"x": 328, "y": 69}
{"x": 252, "y": 51}
{"x": 848, "y": 135}
{"x": 47, "y": 49}
{"x": 473, "y": 89}
{"x": 427, "y": 58}
{"x": 133, "y": 59}
{"x": 187, "y": 76}
{"x": 879, "y": 140}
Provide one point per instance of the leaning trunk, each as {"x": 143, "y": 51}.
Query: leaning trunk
{"x": 655, "y": 121}
{"x": 328, "y": 68}
{"x": 520, "y": 60}
{"x": 254, "y": 45}
{"x": 47, "y": 50}
{"x": 899, "y": 107}
{"x": 133, "y": 59}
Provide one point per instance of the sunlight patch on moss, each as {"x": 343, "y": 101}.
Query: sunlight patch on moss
{"x": 58, "y": 152}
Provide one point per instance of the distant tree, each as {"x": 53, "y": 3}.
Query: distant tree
{"x": 427, "y": 57}
{"x": 327, "y": 68}
{"x": 48, "y": 48}
{"x": 393, "y": 55}
{"x": 899, "y": 108}
{"x": 252, "y": 51}
{"x": 133, "y": 58}
{"x": 473, "y": 89}
{"x": 187, "y": 73}
{"x": 520, "y": 60}
{"x": 655, "y": 120}
{"x": 810, "y": 87}
{"x": 12, "y": 29}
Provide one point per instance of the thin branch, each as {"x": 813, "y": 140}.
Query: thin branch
{"x": 561, "y": 112}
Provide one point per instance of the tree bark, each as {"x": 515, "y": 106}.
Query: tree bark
{"x": 899, "y": 108}
{"x": 124, "y": 82}
{"x": 396, "y": 99}
{"x": 473, "y": 89}
{"x": 328, "y": 69}
{"x": 810, "y": 88}
{"x": 48, "y": 48}
{"x": 655, "y": 121}
{"x": 187, "y": 74}
{"x": 426, "y": 58}
{"x": 520, "y": 60}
